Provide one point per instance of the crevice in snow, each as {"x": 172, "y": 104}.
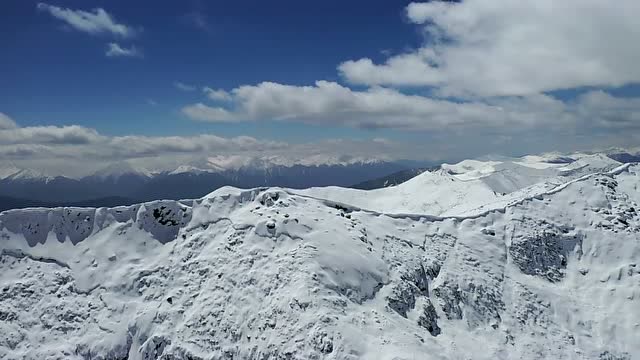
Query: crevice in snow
{"x": 19, "y": 254}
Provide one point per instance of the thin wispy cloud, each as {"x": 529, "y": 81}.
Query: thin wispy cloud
{"x": 217, "y": 94}
{"x": 115, "y": 50}
{"x": 96, "y": 21}
{"x": 199, "y": 20}
{"x": 184, "y": 87}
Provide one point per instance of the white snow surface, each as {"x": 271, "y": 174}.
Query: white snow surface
{"x": 116, "y": 170}
{"x": 469, "y": 187}
{"x": 221, "y": 163}
{"x": 27, "y": 175}
{"x": 548, "y": 271}
{"x": 5, "y": 172}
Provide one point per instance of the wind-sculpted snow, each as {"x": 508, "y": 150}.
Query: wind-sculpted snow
{"x": 270, "y": 274}
{"x": 468, "y": 188}
{"x": 160, "y": 218}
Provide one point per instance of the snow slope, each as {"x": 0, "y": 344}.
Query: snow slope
{"x": 114, "y": 171}
{"x": 272, "y": 274}
{"x": 6, "y": 171}
{"x": 468, "y": 187}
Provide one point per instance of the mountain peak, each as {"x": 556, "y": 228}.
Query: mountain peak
{"x": 17, "y": 174}
{"x": 118, "y": 169}
{"x": 268, "y": 273}
{"x": 6, "y": 170}
{"x": 222, "y": 163}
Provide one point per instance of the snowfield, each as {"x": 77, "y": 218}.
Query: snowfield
{"x": 469, "y": 187}
{"x": 514, "y": 259}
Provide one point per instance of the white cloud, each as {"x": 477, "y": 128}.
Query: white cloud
{"x": 64, "y": 135}
{"x": 76, "y": 150}
{"x": 203, "y": 112}
{"x": 53, "y": 146}
{"x": 184, "y": 87}
{"x": 217, "y": 94}
{"x": 6, "y": 122}
{"x": 96, "y": 21}
{"x": 505, "y": 47}
{"x": 115, "y": 50}
{"x": 329, "y": 103}
{"x": 608, "y": 111}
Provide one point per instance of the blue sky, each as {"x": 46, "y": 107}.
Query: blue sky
{"x": 112, "y": 80}
{"x": 59, "y": 76}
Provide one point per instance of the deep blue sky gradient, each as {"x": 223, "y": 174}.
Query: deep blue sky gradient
{"x": 53, "y": 75}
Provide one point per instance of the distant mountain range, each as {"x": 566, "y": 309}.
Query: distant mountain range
{"x": 506, "y": 258}
{"x": 122, "y": 183}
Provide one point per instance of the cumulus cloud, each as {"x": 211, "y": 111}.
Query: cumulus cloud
{"x": 204, "y": 112}
{"x": 54, "y": 146}
{"x": 96, "y": 21}
{"x": 6, "y": 122}
{"x": 115, "y": 50}
{"x": 609, "y": 111}
{"x": 183, "y": 87}
{"x": 67, "y": 135}
{"x": 217, "y": 94}
{"x": 329, "y": 103}
{"x": 504, "y": 47}
{"x": 82, "y": 141}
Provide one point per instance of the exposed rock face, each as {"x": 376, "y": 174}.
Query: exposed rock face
{"x": 545, "y": 253}
{"x": 428, "y": 319}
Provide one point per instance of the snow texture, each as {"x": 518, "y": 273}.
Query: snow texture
{"x": 271, "y": 273}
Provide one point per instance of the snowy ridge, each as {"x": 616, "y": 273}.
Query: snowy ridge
{"x": 8, "y": 170}
{"x": 467, "y": 186}
{"x": 26, "y": 175}
{"x": 270, "y": 273}
{"x": 484, "y": 210}
{"x": 222, "y": 163}
{"x": 116, "y": 170}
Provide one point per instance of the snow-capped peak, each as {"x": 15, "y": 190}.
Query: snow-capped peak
{"x": 119, "y": 169}
{"x": 190, "y": 169}
{"x": 8, "y": 170}
{"x": 270, "y": 273}
{"x": 222, "y": 163}
{"x": 28, "y": 175}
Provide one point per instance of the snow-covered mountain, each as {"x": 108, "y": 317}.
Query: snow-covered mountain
{"x": 195, "y": 179}
{"x": 113, "y": 172}
{"x": 23, "y": 175}
{"x": 469, "y": 185}
{"x": 394, "y": 179}
{"x": 546, "y": 269}
{"x": 8, "y": 170}
{"x": 33, "y": 185}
